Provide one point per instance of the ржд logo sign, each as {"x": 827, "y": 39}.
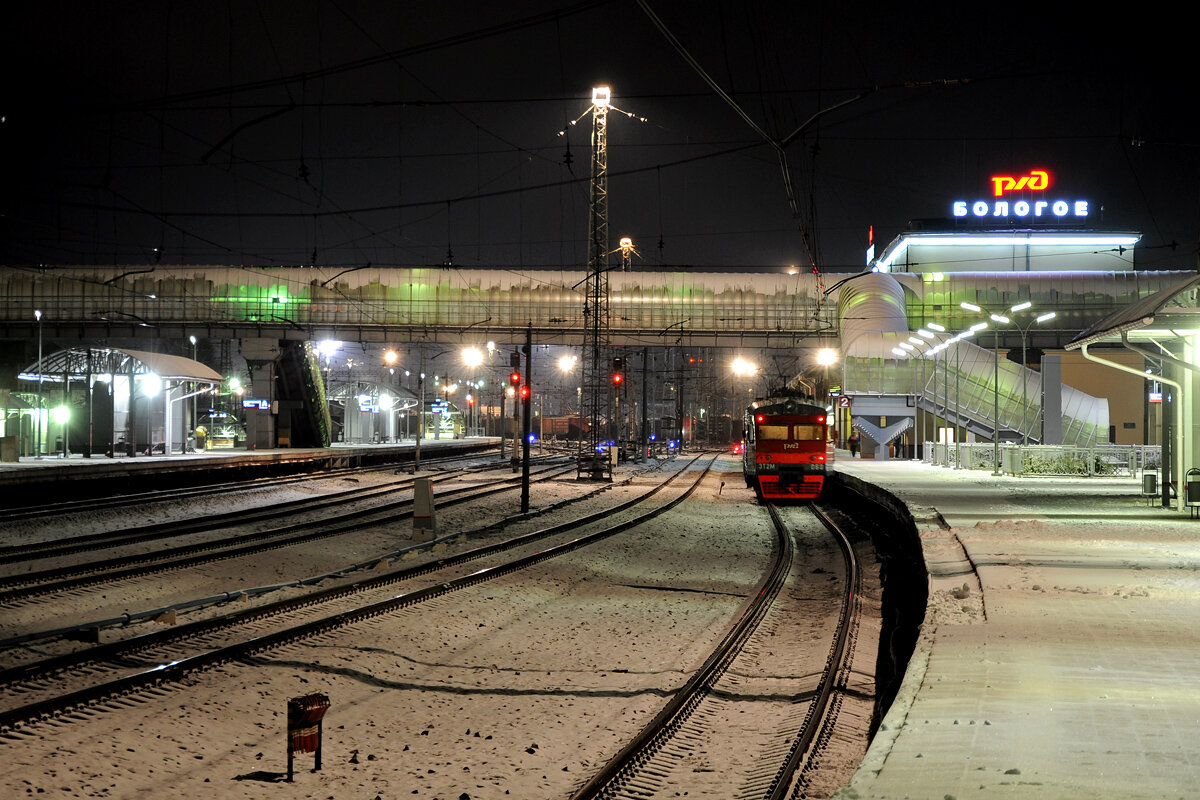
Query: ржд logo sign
{"x": 1038, "y": 180}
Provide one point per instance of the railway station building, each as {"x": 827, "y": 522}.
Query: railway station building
{"x": 959, "y": 331}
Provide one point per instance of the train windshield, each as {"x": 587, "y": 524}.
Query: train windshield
{"x": 809, "y": 433}
{"x": 773, "y": 432}
{"x": 802, "y": 432}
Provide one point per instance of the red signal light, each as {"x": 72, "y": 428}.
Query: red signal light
{"x": 617, "y": 378}
{"x": 514, "y": 378}
{"x": 525, "y": 392}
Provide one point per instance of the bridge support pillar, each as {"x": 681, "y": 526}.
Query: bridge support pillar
{"x": 261, "y": 355}
{"x": 1052, "y": 389}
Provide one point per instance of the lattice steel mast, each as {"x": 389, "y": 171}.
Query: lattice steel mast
{"x": 595, "y": 396}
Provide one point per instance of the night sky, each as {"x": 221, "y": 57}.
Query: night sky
{"x": 305, "y": 132}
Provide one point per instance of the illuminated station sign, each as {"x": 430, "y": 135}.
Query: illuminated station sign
{"x": 1022, "y": 197}
{"x": 1022, "y": 221}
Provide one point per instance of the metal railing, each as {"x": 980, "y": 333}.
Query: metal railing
{"x": 1045, "y": 459}
{"x": 962, "y": 388}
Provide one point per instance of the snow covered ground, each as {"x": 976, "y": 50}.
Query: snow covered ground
{"x": 1068, "y": 668}
{"x": 483, "y": 700}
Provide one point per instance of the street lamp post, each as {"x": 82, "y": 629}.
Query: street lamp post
{"x": 420, "y": 421}
{"x": 826, "y": 357}
{"x": 946, "y": 397}
{"x": 472, "y": 358}
{"x": 955, "y": 340}
{"x": 38, "y": 432}
{"x": 195, "y": 418}
{"x": 1002, "y": 319}
{"x": 390, "y": 357}
{"x": 566, "y": 364}
{"x": 996, "y": 396}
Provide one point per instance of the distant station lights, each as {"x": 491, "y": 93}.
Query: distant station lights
{"x": 743, "y": 368}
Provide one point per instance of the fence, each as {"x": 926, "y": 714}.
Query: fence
{"x": 1062, "y": 460}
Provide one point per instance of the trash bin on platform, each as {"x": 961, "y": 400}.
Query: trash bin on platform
{"x": 1192, "y": 498}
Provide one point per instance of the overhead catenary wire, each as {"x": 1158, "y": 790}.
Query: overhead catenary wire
{"x": 779, "y": 145}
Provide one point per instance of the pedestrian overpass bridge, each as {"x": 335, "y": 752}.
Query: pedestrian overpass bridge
{"x": 746, "y": 308}
{"x": 864, "y": 316}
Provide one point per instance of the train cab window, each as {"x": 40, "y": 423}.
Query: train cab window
{"x": 772, "y": 432}
{"x": 809, "y": 433}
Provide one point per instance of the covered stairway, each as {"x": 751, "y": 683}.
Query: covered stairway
{"x": 951, "y": 377}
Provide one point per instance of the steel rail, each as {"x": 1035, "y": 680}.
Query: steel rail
{"x": 17, "y": 513}
{"x": 32, "y": 551}
{"x": 686, "y": 698}
{"x": 115, "y": 537}
{"x": 14, "y": 719}
{"x": 333, "y": 592}
{"x": 818, "y": 720}
{"x": 622, "y": 768}
{"x": 32, "y": 584}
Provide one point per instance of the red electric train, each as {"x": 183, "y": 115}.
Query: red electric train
{"x": 787, "y": 449}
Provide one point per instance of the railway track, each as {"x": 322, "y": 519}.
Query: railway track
{"x": 125, "y": 535}
{"x": 78, "y": 684}
{"x": 222, "y": 488}
{"x": 661, "y": 759}
{"x": 340, "y": 519}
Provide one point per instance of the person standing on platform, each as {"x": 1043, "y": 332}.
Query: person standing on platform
{"x": 854, "y": 445}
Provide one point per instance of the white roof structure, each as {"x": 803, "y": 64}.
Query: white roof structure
{"x": 77, "y": 363}
{"x": 1031, "y": 250}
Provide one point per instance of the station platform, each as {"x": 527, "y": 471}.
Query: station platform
{"x": 47, "y": 479}
{"x": 1059, "y": 654}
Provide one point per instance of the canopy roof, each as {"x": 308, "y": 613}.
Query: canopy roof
{"x": 77, "y": 363}
{"x": 1168, "y": 314}
{"x": 341, "y": 392}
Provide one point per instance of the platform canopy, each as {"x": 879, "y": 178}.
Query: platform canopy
{"x": 1162, "y": 327}
{"x": 353, "y": 390}
{"x": 1170, "y": 314}
{"x": 77, "y": 363}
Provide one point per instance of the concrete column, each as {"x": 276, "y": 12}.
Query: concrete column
{"x": 261, "y": 355}
{"x": 1052, "y": 399}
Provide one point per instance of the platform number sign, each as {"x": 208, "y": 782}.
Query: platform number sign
{"x": 843, "y": 402}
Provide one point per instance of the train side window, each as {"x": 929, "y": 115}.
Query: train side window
{"x": 773, "y": 432}
{"x": 809, "y": 433}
